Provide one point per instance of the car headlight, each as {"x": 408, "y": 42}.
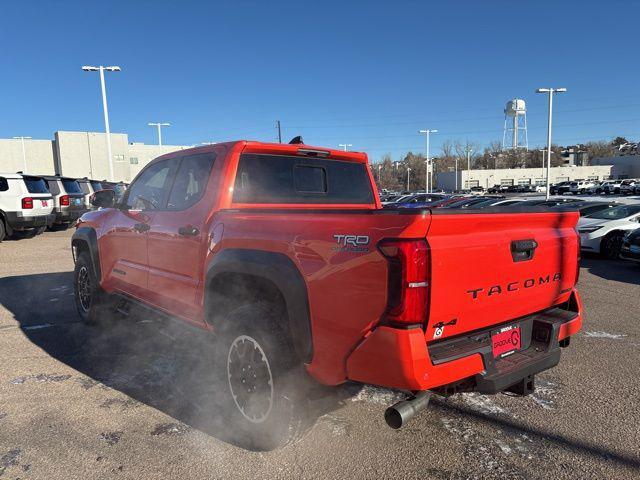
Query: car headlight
{"x": 588, "y": 229}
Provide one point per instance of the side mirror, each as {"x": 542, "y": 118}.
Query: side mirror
{"x": 103, "y": 198}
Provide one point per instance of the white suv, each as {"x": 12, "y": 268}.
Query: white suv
{"x": 25, "y": 204}
{"x": 582, "y": 186}
{"x": 68, "y": 200}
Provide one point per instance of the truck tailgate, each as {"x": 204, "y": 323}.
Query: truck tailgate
{"x": 489, "y": 268}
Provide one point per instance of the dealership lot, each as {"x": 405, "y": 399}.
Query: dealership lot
{"x": 81, "y": 402}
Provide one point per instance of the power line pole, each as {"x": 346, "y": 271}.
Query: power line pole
{"x": 549, "y": 91}
{"x": 279, "y": 131}
{"x": 408, "y": 175}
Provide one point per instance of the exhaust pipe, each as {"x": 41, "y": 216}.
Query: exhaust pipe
{"x": 399, "y": 414}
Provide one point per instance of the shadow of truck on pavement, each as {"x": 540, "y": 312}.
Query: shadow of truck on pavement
{"x": 155, "y": 361}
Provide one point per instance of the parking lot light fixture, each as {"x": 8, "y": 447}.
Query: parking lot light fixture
{"x": 550, "y": 92}
{"x": 159, "y": 125}
{"x": 345, "y": 145}
{"x": 24, "y": 153}
{"x": 101, "y": 69}
{"x": 408, "y": 176}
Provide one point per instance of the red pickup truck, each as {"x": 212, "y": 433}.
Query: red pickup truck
{"x": 285, "y": 255}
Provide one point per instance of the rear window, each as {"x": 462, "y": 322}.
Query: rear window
{"x": 301, "y": 180}
{"x": 35, "y": 185}
{"x": 4, "y": 185}
{"x": 52, "y": 186}
{"x": 71, "y": 186}
{"x": 84, "y": 186}
{"x": 96, "y": 186}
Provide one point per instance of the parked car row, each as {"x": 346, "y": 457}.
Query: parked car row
{"x": 629, "y": 186}
{"x": 29, "y": 204}
{"x": 608, "y": 228}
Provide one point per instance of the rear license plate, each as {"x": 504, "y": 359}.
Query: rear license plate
{"x": 634, "y": 248}
{"x": 45, "y": 203}
{"x": 505, "y": 341}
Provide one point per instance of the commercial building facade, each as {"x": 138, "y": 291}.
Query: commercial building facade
{"x": 520, "y": 176}
{"x": 80, "y": 154}
{"x": 624, "y": 166}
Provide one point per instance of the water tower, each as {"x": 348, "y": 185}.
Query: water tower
{"x": 515, "y": 120}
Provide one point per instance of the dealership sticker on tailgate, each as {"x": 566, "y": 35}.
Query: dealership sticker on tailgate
{"x": 505, "y": 341}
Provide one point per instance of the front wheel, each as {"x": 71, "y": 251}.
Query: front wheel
{"x": 92, "y": 303}
{"x": 611, "y": 245}
{"x": 265, "y": 382}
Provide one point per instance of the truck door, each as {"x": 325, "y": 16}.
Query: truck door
{"x": 178, "y": 236}
{"x": 124, "y": 245}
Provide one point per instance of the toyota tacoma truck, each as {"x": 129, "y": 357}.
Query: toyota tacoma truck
{"x": 285, "y": 257}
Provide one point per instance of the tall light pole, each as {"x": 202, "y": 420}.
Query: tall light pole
{"x": 550, "y": 92}
{"x": 408, "y": 175}
{"x": 159, "y": 125}
{"x": 345, "y": 145}
{"x": 24, "y": 152}
{"x": 428, "y": 133}
{"x": 426, "y": 176}
{"x": 469, "y": 152}
{"x": 456, "y": 169}
{"x": 101, "y": 69}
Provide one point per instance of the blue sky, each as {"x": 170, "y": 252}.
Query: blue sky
{"x": 362, "y": 72}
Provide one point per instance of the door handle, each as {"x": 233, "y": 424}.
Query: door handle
{"x": 522, "y": 250}
{"x": 188, "y": 231}
{"x": 141, "y": 227}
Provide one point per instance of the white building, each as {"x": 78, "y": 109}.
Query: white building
{"x": 80, "y": 154}
{"x": 520, "y": 176}
{"x": 624, "y": 166}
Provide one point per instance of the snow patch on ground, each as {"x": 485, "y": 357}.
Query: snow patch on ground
{"x": 611, "y": 336}
{"x": 481, "y": 403}
{"x": 378, "y": 395}
{"x": 544, "y": 394}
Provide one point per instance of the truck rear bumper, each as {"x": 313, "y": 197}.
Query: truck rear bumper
{"x": 401, "y": 358}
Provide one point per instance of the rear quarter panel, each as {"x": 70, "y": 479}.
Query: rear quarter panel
{"x": 347, "y": 288}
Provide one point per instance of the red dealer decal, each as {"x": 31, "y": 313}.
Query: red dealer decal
{"x": 505, "y": 341}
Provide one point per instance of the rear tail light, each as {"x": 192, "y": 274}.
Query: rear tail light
{"x": 64, "y": 201}
{"x": 27, "y": 203}
{"x": 409, "y": 274}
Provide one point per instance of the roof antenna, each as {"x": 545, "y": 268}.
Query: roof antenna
{"x": 296, "y": 140}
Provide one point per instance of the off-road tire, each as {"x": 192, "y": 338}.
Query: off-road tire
{"x": 259, "y": 329}
{"x": 610, "y": 245}
{"x": 93, "y": 304}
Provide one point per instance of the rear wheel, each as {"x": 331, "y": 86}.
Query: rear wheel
{"x": 610, "y": 245}
{"x": 265, "y": 382}
{"x": 3, "y": 231}
{"x": 92, "y": 303}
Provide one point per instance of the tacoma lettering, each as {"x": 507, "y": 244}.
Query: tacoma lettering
{"x": 515, "y": 286}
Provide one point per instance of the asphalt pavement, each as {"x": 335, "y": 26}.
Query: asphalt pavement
{"x": 80, "y": 402}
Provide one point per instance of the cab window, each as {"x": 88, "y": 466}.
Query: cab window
{"x": 149, "y": 190}
{"x": 191, "y": 181}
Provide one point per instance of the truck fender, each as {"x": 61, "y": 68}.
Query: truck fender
{"x": 278, "y": 269}
{"x": 86, "y": 237}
